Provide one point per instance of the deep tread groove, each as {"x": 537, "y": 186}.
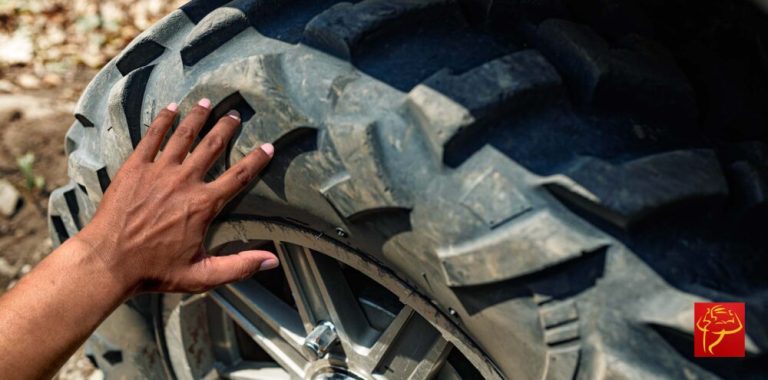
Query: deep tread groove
{"x": 58, "y": 226}
{"x": 84, "y": 121}
{"x": 340, "y": 28}
{"x": 514, "y": 83}
{"x": 83, "y": 188}
{"x": 139, "y": 55}
{"x": 113, "y": 357}
{"x": 231, "y": 102}
{"x": 655, "y": 182}
{"x": 216, "y": 29}
{"x": 196, "y": 10}
{"x": 132, "y": 100}
{"x": 223, "y": 24}
{"x": 616, "y": 80}
{"x": 74, "y": 209}
{"x": 287, "y": 148}
{"x": 104, "y": 180}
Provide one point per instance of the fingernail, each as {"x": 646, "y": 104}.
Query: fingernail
{"x": 269, "y": 149}
{"x": 234, "y": 114}
{"x": 268, "y": 264}
{"x": 173, "y": 107}
{"x": 205, "y": 103}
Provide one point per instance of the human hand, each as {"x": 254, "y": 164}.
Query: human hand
{"x": 148, "y": 230}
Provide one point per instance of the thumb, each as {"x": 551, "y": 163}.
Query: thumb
{"x": 214, "y": 271}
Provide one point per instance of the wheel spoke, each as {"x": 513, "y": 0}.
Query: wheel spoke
{"x": 277, "y": 337}
{"x": 432, "y": 361}
{"x": 248, "y": 370}
{"x": 295, "y": 263}
{"x": 408, "y": 348}
{"x": 387, "y": 338}
{"x": 267, "y": 308}
{"x": 342, "y": 306}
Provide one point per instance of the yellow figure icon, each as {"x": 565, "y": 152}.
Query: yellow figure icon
{"x": 719, "y": 321}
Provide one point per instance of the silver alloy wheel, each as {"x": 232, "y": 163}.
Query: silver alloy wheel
{"x": 374, "y": 342}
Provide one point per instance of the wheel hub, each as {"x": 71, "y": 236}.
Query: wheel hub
{"x": 328, "y": 314}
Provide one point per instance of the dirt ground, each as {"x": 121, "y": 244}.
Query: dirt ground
{"x": 49, "y": 51}
{"x": 35, "y": 121}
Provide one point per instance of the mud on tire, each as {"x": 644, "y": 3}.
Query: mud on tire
{"x": 563, "y": 179}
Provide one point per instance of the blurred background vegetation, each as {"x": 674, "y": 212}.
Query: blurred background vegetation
{"x": 52, "y": 39}
{"x": 49, "y": 51}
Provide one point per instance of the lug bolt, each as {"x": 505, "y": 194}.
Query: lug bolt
{"x": 318, "y": 341}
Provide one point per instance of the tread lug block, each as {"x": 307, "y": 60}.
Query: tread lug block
{"x": 215, "y": 29}
{"x": 624, "y": 194}
{"x": 73, "y": 138}
{"x": 562, "y": 362}
{"x": 342, "y": 27}
{"x": 67, "y": 213}
{"x": 222, "y": 25}
{"x": 89, "y": 110}
{"x": 519, "y": 80}
{"x": 669, "y": 308}
{"x": 577, "y": 53}
{"x": 139, "y": 54}
{"x": 451, "y": 106}
{"x": 196, "y": 10}
{"x": 439, "y": 117}
{"x": 132, "y": 100}
{"x": 365, "y": 183}
{"x": 531, "y": 243}
{"x": 513, "y": 83}
{"x": 616, "y": 80}
{"x": 490, "y": 226}
{"x": 124, "y": 346}
{"x": 258, "y": 83}
{"x": 560, "y": 322}
{"x": 122, "y": 132}
{"x": 124, "y": 129}
{"x": 555, "y": 314}
{"x": 168, "y": 32}
{"x": 89, "y": 172}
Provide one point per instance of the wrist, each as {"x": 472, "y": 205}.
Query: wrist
{"x": 100, "y": 258}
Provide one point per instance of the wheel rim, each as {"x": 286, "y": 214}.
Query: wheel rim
{"x": 375, "y": 341}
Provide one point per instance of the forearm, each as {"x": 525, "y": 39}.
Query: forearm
{"x": 147, "y": 235}
{"x": 53, "y": 309}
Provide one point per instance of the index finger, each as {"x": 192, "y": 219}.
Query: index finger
{"x": 241, "y": 174}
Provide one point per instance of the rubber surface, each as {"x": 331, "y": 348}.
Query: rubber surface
{"x": 563, "y": 178}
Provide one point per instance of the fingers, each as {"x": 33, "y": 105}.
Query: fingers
{"x": 181, "y": 140}
{"x": 241, "y": 174}
{"x": 150, "y": 144}
{"x": 214, "y": 271}
{"x": 206, "y": 153}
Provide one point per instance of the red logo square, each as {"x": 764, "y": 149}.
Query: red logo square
{"x": 719, "y": 329}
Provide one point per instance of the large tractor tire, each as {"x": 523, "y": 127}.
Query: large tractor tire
{"x": 461, "y": 189}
